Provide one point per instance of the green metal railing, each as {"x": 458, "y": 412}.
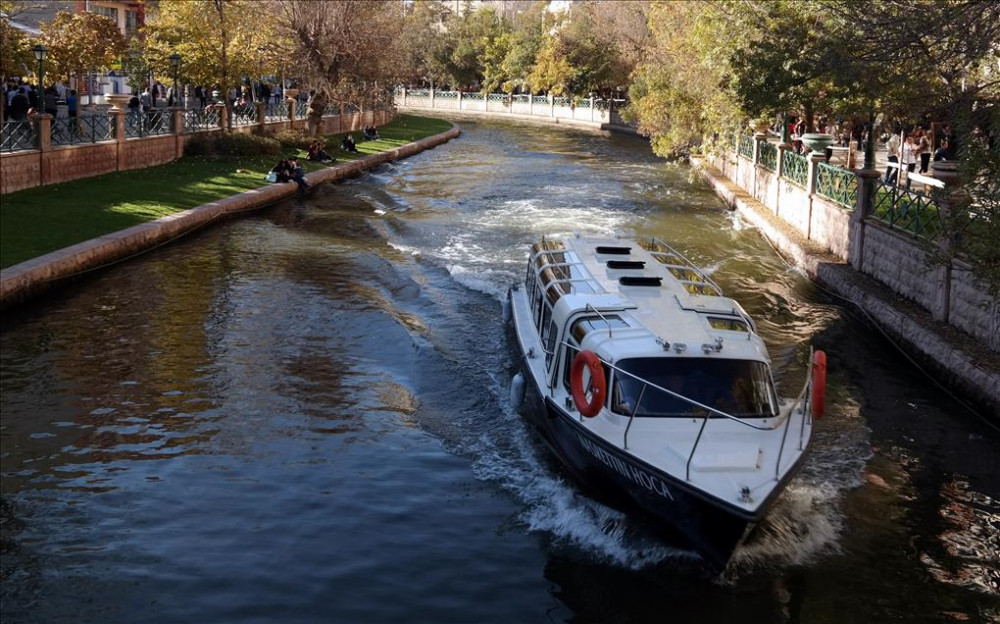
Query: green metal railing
{"x": 745, "y": 147}
{"x": 18, "y": 135}
{"x": 837, "y": 184}
{"x": 794, "y": 168}
{"x": 768, "y": 156}
{"x": 84, "y": 129}
{"x": 905, "y": 210}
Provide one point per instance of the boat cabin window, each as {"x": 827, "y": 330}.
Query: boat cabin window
{"x": 584, "y": 326}
{"x": 741, "y": 388}
{"x": 728, "y": 324}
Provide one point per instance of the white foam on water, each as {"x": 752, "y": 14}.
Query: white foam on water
{"x": 488, "y": 281}
{"x": 406, "y": 249}
{"x": 507, "y": 456}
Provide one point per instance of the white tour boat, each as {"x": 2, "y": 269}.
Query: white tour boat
{"x": 645, "y": 380}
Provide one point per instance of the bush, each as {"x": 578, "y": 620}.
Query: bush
{"x": 293, "y": 138}
{"x": 231, "y": 144}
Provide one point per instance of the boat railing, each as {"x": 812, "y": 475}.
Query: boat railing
{"x": 663, "y": 250}
{"x": 538, "y": 269}
{"x": 781, "y": 420}
{"x": 591, "y": 308}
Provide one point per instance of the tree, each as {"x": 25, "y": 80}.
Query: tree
{"x": 15, "y": 48}
{"x": 678, "y": 92}
{"x": 347, "y": 50}
{"x": 81, "y": 42}
{"x": 424, "y": 47}
{"x": 219, "y": 41}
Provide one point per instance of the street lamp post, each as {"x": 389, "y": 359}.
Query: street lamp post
{"x": 175, "y": 62}
{"x": 40, "y": 51}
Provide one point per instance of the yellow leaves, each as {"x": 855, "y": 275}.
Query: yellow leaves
{"x": 81, "y": 42}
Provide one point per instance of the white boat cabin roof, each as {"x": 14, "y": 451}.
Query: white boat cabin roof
{"x": 664, "y": 304}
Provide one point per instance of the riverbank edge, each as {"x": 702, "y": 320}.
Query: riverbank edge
{"x": 942, "y": 353}
{"x": 30, "y": 278}
{"x": 448, "y": 114}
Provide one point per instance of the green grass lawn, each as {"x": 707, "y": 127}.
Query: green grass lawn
{"x": 39, "y": 220}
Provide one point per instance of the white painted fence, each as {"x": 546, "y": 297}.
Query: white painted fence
{"x": 584, "y": 111}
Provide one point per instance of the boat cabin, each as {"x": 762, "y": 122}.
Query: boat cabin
{"x": 657, "y": 319}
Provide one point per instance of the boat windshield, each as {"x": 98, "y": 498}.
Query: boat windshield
{"x": 738, "y": 387}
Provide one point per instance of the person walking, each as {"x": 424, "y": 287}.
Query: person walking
{"x": 923, "y": 150}
{"x": 892, "y": 150}
{"x": 909, "y": 156}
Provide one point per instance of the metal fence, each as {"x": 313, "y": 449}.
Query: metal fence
{"x": 149, "y": 123}
{"x": 745, "y": 147}
{"x": 301, "y": 109}
{"x": 905, "y": 210}
{"x": 18, "y": 136}
{"x": 794, "y": 168}
{"x": 86, "y": 129}
{"x": 245, "y": 115}
{"x": 196, "y": 120}
{"x": 276, "y": 111}
{"x": 837, "y": 184}
{"x": 768, "y": 156}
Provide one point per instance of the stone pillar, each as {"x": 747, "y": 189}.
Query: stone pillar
{"x": 459, "y": 99}
{"x": 531, "y": 103}
{"x": 432, "y": 97}
{"x": 177, "y": 114}
{"x": 119, "y": 121}
{"x": 758, "y": 138}
{"x": 592, "y": 108}
{"x": 552, "y": 106}
{"x": 261, "y": 115}
{"x": 783, "y": 148}
{"x": 404, "y": 97}
{"x": 43, "y": 130}
{"x": 867, "y": 183}
{"x": 291, "y": 113}
{"x": 814, "y": 159}
{"x": 946, "y": 199}
{"x": 223, "y": 116}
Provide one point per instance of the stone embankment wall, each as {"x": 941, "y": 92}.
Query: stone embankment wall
{"x": 953, "y": 359}
{"x": 34, "y": 276}
{"x": 892, "y": 257}
{"x": 55, "y": 165}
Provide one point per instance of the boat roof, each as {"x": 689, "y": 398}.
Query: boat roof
{"x": 671, "y": 307}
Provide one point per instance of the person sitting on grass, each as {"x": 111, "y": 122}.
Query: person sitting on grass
{"x": 288, "y": 170}
{"x": 316, "y": 153}
{"x": 370, "y": 133}
{"x": 348, "y": 144}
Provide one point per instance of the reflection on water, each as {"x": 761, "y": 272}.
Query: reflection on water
{"x": 304, "y": 415}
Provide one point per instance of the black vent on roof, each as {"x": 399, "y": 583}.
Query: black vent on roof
{"x": 618, "y": 251}
{"x": 626, "y": 264}
{"x": 640, "y": 281}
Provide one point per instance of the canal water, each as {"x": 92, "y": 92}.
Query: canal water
{"x": 303, "y": 416}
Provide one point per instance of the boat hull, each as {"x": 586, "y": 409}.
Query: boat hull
{"x": 707, "y": 526}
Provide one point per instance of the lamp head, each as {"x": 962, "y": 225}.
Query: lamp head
{"x": 39, "y": 51}
{"x": 175, "y": 60}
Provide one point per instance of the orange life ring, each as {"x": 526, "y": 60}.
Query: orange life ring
{"x": 588, "y": 360}
{"x": 818, "y": 399}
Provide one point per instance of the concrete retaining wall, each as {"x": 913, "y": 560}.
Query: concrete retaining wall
{"x": 24, "y": 280}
